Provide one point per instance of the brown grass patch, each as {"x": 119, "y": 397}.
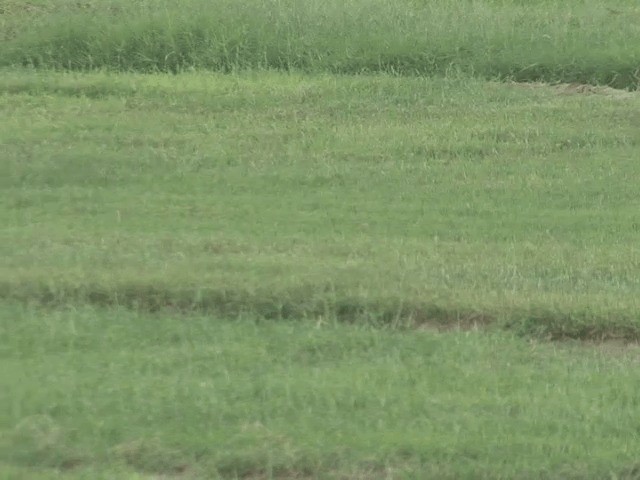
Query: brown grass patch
{"x": 580, "y": 89}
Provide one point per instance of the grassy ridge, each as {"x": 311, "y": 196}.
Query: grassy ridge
{"x": 92, "y": 393}
{"x": 393, "y": 200}
{"x": 573, "y": 41}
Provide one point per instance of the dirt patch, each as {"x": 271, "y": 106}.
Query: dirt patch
{"x": 580, "y": 89}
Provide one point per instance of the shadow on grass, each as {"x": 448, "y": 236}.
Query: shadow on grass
{"x": 325, "y": 303}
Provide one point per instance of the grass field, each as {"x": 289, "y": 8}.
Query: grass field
{"x": 118, "y": 394}
{"x": 386, "y": 199}
{"x": 344, "y": 242}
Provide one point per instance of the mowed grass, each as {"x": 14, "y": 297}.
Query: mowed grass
{"x": 569, "y": 41}
{"x": 384, "y": 199}
{"x": 275, "y": 275}
{"x": 88, "y": 393}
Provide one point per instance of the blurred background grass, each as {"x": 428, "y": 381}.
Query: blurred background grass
{"x": 573, "y": 41}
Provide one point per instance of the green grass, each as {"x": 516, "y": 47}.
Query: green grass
{"x": 385, "y": 199}
{"x": 108, "y": 393}
{"x": 570, "y": 41}
{"x": 266, "y": 268}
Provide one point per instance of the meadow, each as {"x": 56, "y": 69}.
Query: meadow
{"x": 286, "y": 239}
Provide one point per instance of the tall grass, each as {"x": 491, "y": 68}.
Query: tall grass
{"x": 576, "y": 41}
